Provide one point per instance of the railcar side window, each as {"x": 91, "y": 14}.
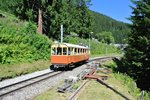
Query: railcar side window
{"x": 64, "y": 51}
{"x": 59, "y": 51}
{"x": 75, "y": 50}
{"x": 78, "y": 51}
{"x": 69, "y": 51}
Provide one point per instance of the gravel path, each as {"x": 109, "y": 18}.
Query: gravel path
{"x": 30, "y": 92}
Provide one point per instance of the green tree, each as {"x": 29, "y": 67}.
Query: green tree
{"x": 8, "y": 5}
{"x": 85, "y": 21}
{"x": 105, "y": 37}
{"x": 137, "y": 55}
{"x": 73, "y": 14}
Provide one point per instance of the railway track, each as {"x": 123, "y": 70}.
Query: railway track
{"x": 103, "y": 58}
{"x": 22, "y": 84}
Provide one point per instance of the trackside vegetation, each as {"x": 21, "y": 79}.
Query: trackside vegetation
{"x": 14, "y": 70}
{"x": 19, "y": 41}
{"x": 127, "y": 81}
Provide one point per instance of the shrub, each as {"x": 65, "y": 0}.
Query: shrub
{"x": 19, "y": 42}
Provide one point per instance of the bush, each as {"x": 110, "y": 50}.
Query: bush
{"x": 19, "y": 42}
{"x": 129, "y": 82}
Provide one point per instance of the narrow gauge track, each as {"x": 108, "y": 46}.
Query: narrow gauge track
{"x": 22, "y": 84}
{"x": 102, "y": 58}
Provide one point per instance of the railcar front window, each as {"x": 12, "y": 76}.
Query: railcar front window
{"x": 64, "y": 51}
{"x": 59, "y": 51}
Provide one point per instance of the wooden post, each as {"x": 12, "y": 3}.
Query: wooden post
{"x": 40, "y": 21}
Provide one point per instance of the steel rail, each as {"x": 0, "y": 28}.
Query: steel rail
{"x": 78, "y": 90}
{"x": 25, "y": 82}
{"x": 99, "y": 58}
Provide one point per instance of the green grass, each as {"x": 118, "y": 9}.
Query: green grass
{"x": 13, "y": 70}
{"x": 52, "y": 94}
{"x": 77, "y": 85}
{"x": 97, "y": 91}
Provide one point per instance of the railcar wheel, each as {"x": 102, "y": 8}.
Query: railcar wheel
{"x": 67, "y": 67}
{"x": 52, "y": 68}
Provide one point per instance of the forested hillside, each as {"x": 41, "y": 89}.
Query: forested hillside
{"x": 103, "y": 23}
{"x": 73, "y": 14}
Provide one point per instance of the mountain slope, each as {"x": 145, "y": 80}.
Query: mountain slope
{"x": 105, "y": 23}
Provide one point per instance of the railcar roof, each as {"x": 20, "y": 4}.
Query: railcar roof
{"x": 72, "y": 45}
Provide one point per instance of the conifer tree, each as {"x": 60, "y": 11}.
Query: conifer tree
{"x": 136, "y": 61}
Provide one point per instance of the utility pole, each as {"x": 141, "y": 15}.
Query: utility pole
{"x": 61, "y": 33}
{"x": 89, "y": 42}
{"x": 89, "y": 39}
{"x": 106, "y": 49}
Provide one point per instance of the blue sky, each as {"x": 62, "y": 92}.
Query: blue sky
{"x": 116, "y": 9}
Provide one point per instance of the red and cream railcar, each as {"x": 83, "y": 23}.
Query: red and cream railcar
{"x": 65, "y": 54}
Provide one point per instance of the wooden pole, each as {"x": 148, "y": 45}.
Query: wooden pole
{"x": 40, "y": 21}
